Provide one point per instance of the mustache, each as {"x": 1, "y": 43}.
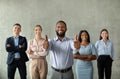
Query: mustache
{"x": 60, "y": 34}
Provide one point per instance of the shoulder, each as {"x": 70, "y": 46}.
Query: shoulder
{"x": 22, "y": 37}
{"x": 10, "y": 38}
{"x": 97, "y": 42}
{"x": 31, "y": 40}
{"x": 68, "y": 39}
{"x": 110, "y": 42}
{"x": 91, "y": 45}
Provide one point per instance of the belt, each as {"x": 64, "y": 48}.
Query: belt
{"x": 62, "y": 70}
{"x": 16, "y": 59}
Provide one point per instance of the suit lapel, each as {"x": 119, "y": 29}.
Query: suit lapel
{"x": 12, "y": 39}
{"x": 19, "y": 42}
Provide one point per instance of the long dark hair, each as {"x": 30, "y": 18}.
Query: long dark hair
{"x": 79, "y": 38}
{"x": 102, "y": 31}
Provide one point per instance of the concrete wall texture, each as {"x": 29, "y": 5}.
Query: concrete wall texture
{"x": 92, "y": 15}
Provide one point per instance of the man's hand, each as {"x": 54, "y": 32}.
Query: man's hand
{"x": 76, "y": 42}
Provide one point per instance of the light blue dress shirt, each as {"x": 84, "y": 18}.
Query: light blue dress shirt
{"x": 105, "y": 49}
{"x": 16, "y": 41}
{"x": 61, "y": 53}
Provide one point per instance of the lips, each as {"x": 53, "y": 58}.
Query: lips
{"x": 60, "y": 32}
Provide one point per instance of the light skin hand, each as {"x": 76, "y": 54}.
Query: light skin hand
{"x": 8, "y": 45}
{"x": 30, "y": 51}
{"x": 20, "y": 46}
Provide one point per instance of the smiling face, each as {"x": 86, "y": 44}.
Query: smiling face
{"x": 104, "y": 35}
{"x": 38, "y": 30}
{"x": 60, "y": 29}
{"x": 16, "y": 30}
{"x": 84, "y": 36}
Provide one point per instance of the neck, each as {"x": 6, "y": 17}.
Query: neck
{"x": 105, "y": 40}
{"x": 37, "y": 37}
{"x": 15, "y": 35}
{"x": 60, "y": 38}
{"x": 84, "y": 42}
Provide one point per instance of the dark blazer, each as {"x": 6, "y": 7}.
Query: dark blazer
{"x": 13, "y": 49}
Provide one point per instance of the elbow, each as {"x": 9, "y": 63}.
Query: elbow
{"x": 94, "y": 57}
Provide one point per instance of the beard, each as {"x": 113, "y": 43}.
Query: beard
{"x": 60, "y": 34}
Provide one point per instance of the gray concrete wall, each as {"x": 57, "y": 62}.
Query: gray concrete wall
{"x": 92, "y": 15}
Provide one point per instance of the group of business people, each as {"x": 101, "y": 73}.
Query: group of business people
{"x": 62, "y": 50}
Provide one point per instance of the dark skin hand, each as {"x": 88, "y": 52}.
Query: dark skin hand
{"x": 84, "y": 57}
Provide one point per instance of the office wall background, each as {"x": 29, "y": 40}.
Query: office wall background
{"x": 92, "y": 15}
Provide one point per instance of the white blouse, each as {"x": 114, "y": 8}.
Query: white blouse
{"x": 37, "y": 48}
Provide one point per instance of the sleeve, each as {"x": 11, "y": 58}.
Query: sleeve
{"x": 112, "y": 52}
{"x": 9, "y": 47}
{"x": 94, "y": 51}
{"x": 73, "y": 48}
{"x": 36, "y": 53}
{"x": 28, "y": 50}
{"x": 23, "y": 44}
{"x": 44, "y": 52}
{"x": 96, "y": 45}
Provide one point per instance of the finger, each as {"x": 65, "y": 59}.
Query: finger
{"x": 76, "y": 38}
{"x": 8, "y": 45}
{"x": 46, "y": 37}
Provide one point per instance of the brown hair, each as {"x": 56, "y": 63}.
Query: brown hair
{"x": 39, "y": 26}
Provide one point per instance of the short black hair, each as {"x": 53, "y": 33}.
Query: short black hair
{"x": 17, "y": 24}
{"x": 61, "y": 21}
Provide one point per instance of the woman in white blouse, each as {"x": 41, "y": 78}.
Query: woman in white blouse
{"x": 105, "y": 55}
{"x": 37, "y": 54}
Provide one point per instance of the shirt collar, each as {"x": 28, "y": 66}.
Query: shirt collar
{"x": 16, "y": 36}
{"x": 107, "y": 40}
{"x": 56, "y": 38}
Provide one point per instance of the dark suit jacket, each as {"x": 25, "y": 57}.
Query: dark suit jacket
{"x": 13, "y": 49}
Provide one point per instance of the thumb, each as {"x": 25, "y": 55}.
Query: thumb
{"x": 46, "y": 37}
{"x": 76, "y": 38}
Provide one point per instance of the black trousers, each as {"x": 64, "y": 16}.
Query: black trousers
{"x": 12, "y": 69}
{"x": 104, "y": 63}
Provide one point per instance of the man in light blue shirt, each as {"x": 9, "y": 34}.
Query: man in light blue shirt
{"x": 61, "y": 55}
